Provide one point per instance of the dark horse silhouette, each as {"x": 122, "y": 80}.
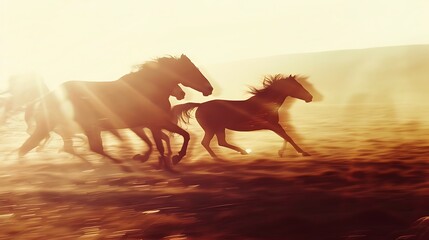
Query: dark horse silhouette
{"x": 256, "y": 113}
{"x": 67, "y": 133}
{"x": 138, "y": 99}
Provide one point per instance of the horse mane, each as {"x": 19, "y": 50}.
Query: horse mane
{"x": 161, "y": 61}
{"x": 268, "y": 81}
{"x": 150, "y": 67}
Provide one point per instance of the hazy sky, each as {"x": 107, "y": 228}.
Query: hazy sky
{"x": 101, "y": 39}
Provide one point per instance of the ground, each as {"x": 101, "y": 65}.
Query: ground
{"x": 362, "y": 182}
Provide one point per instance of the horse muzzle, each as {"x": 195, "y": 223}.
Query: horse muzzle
{"x": 208, "y": 92}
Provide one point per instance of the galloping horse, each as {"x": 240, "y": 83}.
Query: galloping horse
{"x": 64, "y": 131}
{"x": 138, "y": 99}
{"x": 259, "y": 112}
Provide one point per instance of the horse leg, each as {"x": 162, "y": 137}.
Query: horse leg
{"x": 43, "y": 144}
{"x": 176, "y": 129}
{"x": 96, "y": 145}
{"x": 94, "y": 140}
{"x": 33, "y": 141}
{"x": 222, "y": 142}
{"x": 142, "y": 135}
{"x": 30, "y": 131}
{"x": 282, "y": 133}
{"x": 166, "y": 139}
{"x": 68, "y": 144}
{"x": 162, "y": 160}
{"x": 67, "y": 137}
{"x": 208, "y": 136}
{"x": 283, "y": 149}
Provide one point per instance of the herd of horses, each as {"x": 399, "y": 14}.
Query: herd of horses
{"x": 139, "y": 100}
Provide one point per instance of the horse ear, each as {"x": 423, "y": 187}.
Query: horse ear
{"x": 290, "y": 75}
{"x": 183, "y": 56}
{"x": 293, "y": 76}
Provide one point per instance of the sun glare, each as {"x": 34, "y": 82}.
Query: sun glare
{"x": 67, "y": 40}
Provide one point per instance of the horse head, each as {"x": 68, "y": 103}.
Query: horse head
{"x": 317, "y": 95}
{"x": 165, "y": 73}
{"x": 190, "y": 76}
{"x": 293, "y": 88}
{"x": 178, "y": 93}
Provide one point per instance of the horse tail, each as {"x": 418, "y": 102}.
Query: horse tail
{"x": 183, "y": 111}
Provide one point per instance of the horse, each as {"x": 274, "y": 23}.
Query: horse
{"x": 32, "y": 108}
{"x": 138, "y": 99}
{"x": 259, "y": 112}
{"x": 21, "y": 90}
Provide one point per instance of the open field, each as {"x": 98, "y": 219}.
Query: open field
{"x": 364, "y": 180}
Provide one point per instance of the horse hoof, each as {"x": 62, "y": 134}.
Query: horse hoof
{"x": 306, "y": 154}
{"x": 176, "y": 159}
{"x": 141, "y": 158}
{"x": 280, "y": 153}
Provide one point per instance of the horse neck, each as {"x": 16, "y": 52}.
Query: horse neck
{"x": 265, "y": 99}
{"x": 150, "y": 83}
